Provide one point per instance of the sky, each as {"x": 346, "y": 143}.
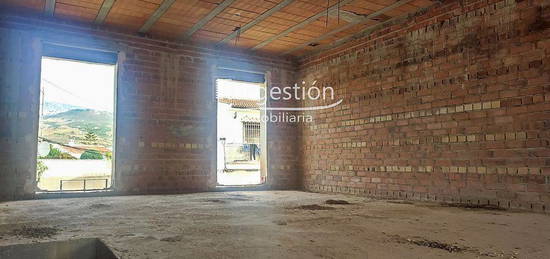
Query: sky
{"x": 228, "y": 88}
{"x": 88, "y": 85}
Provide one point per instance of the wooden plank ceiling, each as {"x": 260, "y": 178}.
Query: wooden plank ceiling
{"x": 293, "y": 27}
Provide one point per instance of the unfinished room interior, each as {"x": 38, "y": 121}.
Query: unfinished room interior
{"x": 274, "y": 129}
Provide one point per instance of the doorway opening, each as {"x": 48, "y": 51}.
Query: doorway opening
{"x": 241, "y": 132}
{"x": 76, "y": 125}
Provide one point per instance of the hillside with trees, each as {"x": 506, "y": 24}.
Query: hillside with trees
{"x": 83, "y": 126}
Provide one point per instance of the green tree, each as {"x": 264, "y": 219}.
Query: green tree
{"x": 55, "y": 153}
{"x": 90, "y": 138}
{"x": 109, "y": 155}
{"x": 40, "y": 169}
{"x": 91, "y": 154}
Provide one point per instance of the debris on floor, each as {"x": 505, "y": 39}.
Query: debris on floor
{"x": 400, "y": 202}
{"x": 238, "y": 199}
{"x": 228, "y": 198}
{"x": 172, "y": 239}
{"x": 280, "y": 222}
{"x": 99, "y": 206}
{"x": 35, "y": 232}
{"x": 337, "y": 202}
{"x": 215, "y": 200}
{"x": 451, "y": 248}
{"x": 436, "y": 244}
{"x": 472, "y": 206}
{"x": 313, "y": 207}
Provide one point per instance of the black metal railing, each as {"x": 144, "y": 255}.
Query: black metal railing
{"x": 84, "y": 182}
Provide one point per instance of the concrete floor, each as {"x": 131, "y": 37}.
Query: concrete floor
{"x": 272, "y": 224}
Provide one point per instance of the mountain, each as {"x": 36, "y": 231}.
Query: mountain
{"x": 53, "y": 107}
{"x": 74, "y": 124}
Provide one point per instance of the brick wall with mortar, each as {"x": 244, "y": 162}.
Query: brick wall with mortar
{"x": 165, "y": 108}
{"x": 450, "y": 104}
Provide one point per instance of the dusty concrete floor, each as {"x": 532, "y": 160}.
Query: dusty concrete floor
{"x": 272, "y": 224}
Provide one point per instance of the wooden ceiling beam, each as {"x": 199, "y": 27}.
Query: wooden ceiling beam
{"x": 303, "y": 23}
{"x": 104, "y": 11}
{"x": 49, "y": 7}
{"x": 345, "y": 15}
{"x": 166, "y": 4}
{"x": 358, "y": 35}
{"x": 367, "y": 31}
{"x": 202, "y": 22}
{"x": 258, "y": 19}
{"x": 350, "y": 25}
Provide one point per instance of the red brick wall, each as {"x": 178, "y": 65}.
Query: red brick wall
{"x": 452, "y": 104}
{"x": 165, "y": 111}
